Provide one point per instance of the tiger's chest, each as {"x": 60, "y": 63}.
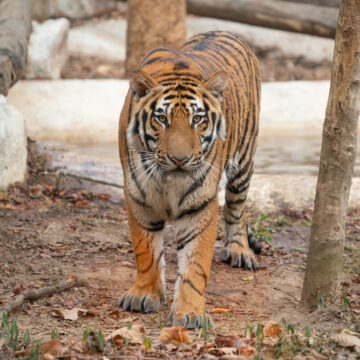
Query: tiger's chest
{"x": 168, "y": 195}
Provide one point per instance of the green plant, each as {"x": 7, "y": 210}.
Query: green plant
{"x": 147, "y": 342}
{"x": 26, "y": 337}
{"x": 260, "y": 336}
{"x": 4, "y": 319}
{"x": 205, "y": 325}
{"x": 54, "y": 333}
{"x": 129, "y": 325}
{"x": 320, "y": 300}
{"x": 281, "y": 220}
{"x": 346, "y": 302}
{"x": 86, "y": 333}
{"x": 13, "y": 333}
{"x": 35, "y": 350}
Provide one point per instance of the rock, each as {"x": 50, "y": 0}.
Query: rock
{"x": 276, "y": 193}
{"x": 13, "y": 151}
{"x": 105, "y": 40}
{"x": 87, "y": 111}
{"x": 73, "y": 9}
{"x": 75, "y": 111}
{"x": 47, "y": 49}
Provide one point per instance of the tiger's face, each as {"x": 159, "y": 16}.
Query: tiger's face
{"x": 176, "y": 126}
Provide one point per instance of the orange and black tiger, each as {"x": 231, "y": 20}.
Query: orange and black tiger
{"x": 190, "y": 117}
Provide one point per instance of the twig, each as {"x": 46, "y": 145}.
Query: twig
{"x": 44, "y": 291}
{"x": 64, "y": 172}
{"x": 229, "y": 298}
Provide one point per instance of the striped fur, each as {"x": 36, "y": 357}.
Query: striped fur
{"x": 190, "y": 117}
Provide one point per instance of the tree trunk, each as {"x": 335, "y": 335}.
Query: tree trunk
{"x": 329, "y": 3}
{"x": 338, "y": 152}
{"x": 15, "y": 28}
{"x": 151, "y": 24}
{"x": 303, "y": 18}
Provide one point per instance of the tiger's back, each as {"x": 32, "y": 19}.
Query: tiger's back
{"x": 190, "y": 116}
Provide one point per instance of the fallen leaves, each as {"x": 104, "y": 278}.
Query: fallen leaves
{"x": 133, "y": 335}
{"x": 218, "y": 310}
{"x": 177, "y": 334}
{"x": 345, "y": 339}
{"x": 72, "y": 314}
{"x": 47, "y": 350}
{"x": 272, "y": 329}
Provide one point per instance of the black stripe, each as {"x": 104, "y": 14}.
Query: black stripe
{"x": 138, "y": 201}
{"x": 149, "y": 267}
{"x": 187, "y": 281}
{"x": 198, "y": 208}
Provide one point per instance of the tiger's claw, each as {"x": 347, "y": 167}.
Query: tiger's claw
{"x": 193, "y": 321}
{"x": 239, "y": 259}
{"x": 144, "y": 303}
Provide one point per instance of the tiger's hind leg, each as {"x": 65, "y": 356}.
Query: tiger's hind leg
{"x": 148, "y": 290}
{"x": 236, "y": 251}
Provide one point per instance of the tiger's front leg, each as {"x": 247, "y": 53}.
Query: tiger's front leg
{"x": 236, "y": 251}
{"x": 148, "y": 291}
{"x": 195, "y": 245}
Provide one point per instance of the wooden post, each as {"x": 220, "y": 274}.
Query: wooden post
{"x": 276, "y": 14}
{"x": 15, "y": 28}
{"x": 338, "y": 152}
{"x": 151, "y": 24}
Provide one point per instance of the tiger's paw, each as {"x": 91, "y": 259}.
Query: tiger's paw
{"x": 237, "y": 256}
{"x": 192, "y": 321}
{"x": 143, "y": 302}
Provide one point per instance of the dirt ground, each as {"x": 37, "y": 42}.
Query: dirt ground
{"x": 47, "y": 236}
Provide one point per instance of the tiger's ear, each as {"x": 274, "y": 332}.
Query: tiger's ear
{"x": 217, "y": 84}
{"x": 141, "y": 83}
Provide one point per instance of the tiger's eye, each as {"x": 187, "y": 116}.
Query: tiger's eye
{"x": 162, "y": 118}
{"x": 196, "y": 119}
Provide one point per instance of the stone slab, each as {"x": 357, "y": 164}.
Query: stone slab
{"x": 13, "y": 150}
{"x": 87, "y": 111}
{"x": 47, "y": 52}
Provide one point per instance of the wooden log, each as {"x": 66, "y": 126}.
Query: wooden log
{"x": 329, "y": 3}
{"x": 302, "y": 18}
{"x": 15, "y": 28}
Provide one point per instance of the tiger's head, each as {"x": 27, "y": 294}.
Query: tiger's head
{"x": 176, "y": 124}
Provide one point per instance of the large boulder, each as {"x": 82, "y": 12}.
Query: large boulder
{"x": 47, "y": 49}
{"x": 72, "y": 9}
{"x": 13, "y": 152}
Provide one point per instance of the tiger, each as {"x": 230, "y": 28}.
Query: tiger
{"x": 190, "y": 118}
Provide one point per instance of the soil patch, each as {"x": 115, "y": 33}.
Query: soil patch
{"x": 47, "y": 236}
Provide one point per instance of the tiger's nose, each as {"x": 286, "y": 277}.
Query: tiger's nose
{"x": 178, "y": 161}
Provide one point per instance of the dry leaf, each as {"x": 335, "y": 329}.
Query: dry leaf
{"x": 81, "y": 203}
{"x": 49, "y": 348}
{"x": 346, "y": 340}
{"x": 248, "y": 278}
{"x": 135, "y": 335}
{"x": 246, "y": 350}
{"x": 272, "y": 329}
{"x": 72, "y": 314}
{"x": 229, "y": 342}
{"x": 317, "y": 356}
{"x": 103, "y": 196}
{"x": 127, "y": 264}
{"x": 175, "y": 334}
{"x": 220, "y": 310}
{"x": 228, "y": 351}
